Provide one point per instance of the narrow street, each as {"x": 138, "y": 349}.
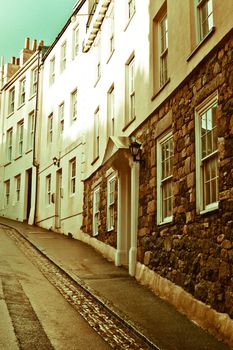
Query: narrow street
{"x": 34, "y": 315}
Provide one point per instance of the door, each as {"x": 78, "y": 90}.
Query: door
{"x": 28, "y": 189}
{"x": 58, "y": 197}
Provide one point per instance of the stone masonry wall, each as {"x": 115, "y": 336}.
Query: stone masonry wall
{"x": 194, "y": 251}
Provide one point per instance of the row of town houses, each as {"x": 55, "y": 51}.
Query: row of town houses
{"x": 120, "y": 134}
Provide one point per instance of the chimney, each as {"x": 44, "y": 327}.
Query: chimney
{"x": 27, "y": 43}
{"x": 17, "y": 61}
{"x": 13, "y": 60}
{"x": 34, "y": 44}
{"x": 41, "y": 43}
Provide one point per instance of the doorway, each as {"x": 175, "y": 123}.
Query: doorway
{"x": 58, "y": 197}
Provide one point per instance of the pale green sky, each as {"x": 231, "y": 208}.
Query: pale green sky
{"x": 37, "y": 19}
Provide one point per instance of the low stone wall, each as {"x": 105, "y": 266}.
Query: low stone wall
{"x": 220, "y": 325}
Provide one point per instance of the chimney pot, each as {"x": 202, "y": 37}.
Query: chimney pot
{"x": 18, "y": 61}
{"x": 13, "y": 60}
{"x": 27, "y": 43}
{"x": 34, "y": 43}
{"x": 41, "y": 43}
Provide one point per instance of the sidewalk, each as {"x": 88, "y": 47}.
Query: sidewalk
{"x": 157, "y": 320}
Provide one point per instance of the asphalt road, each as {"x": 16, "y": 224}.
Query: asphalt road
{"x": 33, "y": 313}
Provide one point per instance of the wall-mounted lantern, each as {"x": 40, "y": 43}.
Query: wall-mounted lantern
{"x": 56, "y": 161}
{"x": 135, "y": 150}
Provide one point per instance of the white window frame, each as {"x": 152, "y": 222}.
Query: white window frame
{"x": 20, "y": 137}
{"x": 50, "y": 129}
{"x": 163, "y": 49}
{"x": 22, "y": 91}
{"x": 163, "y": 181}
{"x": 111, "y": 28}
{"x": 74, "y": 99}
{"x": 34, "y": 81}
{"x": 61, "y": 109}
{"x": 131, "y": 90}
{"x": 63, "y": 57}
{"x": 18, "y": 187}
{"x": 73, "y": 172}
{"x": 111, "y": 189}
{"x": 48, "y": 190}
{"x": 201, "y": 4}
{"x": 31, "y": 121}
{"x": 52, "y": 71}
{"x": 11, "y": 100}
{"x": 96, "y": 211}
{"x": 9, "y": 145}
{"x": 75, "y": 41}
{"x": 96, "y": 138}
{"x": 203, "y": 161}
{"x": 7, "y": 192}
{"x": 111, "y": 110}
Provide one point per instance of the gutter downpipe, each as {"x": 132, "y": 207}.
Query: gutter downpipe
{"x": 35, "y": 162}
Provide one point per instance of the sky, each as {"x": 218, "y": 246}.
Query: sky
{"x": 37, "y": 19}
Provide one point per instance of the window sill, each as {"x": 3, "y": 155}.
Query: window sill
{"x": 8, "y": 163}
{"x": 94, "y": 160}
{"x": 10, "y": 114}
{"x": 28, "y": 151}
{"x": 211, "y": 32}
{"x": 31, "y": 97}
{"x": 210, "y": 209}
{"x": 110, "y": 230}
{"x": 128, "y": 124}
{"x": 95, "y": 234}
{"x": 98, "y": 79}
{"x": 160, "y": 89}
{"x": 166, "y": 221}
{"x": 129, "y": 21}
{"x": 23, "y": 104}
{"x": 18, "y": 157}
{"x": 110, "y": 56}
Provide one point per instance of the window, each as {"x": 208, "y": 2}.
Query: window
{"x": 63, "y": 57}
{"x": 98, "y": 57}
{"x": 31, "y": 120}
{"x": 22, "y": 85}
{"x": 72, "y": 176}
{"x": 17, "y": 187}
{"x": 131, "y": 8}
{"x": 110, "y": 202}
{"x": 96, "y": 134}
{"x": 48, "y": 189}
{"x": 61, "y": 116}
{"x": 20, "y": 131}
{"x": 52, "y": 71}
{"x": 111, "y": 28}
{"x": 9, "y": 144}
{"x": 7, "y": 192}
{"x": 50, "y": 128}
{"x": 34, "y": 81}
{"x": 207, "y": 156}
{"x": 75, "y": 41}
{"x": 96, "y": 211}
{"x": 11, "y": 100}
{"x": 74, "y": 105}
{"x": 131, "y": 91}
{"x": 205, "y": 17}
{"x": 164, "y": 178}
{"x": 111, "y": 112}
{"x": 163, "y": 36}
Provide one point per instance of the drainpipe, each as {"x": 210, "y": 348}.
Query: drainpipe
{"x": 35, "y": 161}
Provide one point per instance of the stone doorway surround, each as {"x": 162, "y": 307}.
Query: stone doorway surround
{"x": 117, "y": 155}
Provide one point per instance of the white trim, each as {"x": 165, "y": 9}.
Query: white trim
{"x": 111, "y": 179}
{"x": 95, "y": 220}
{"x": 160, "y": 140}
{"x": 200, "y": 110}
